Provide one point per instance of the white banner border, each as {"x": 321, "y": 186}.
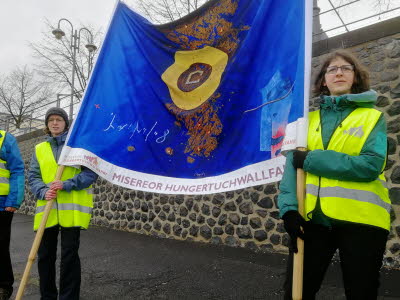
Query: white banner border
{"x": 257, "y": 174}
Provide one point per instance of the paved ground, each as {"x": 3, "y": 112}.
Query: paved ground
{"x": 121, "y": 265}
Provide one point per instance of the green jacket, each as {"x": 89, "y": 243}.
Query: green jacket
{"x": 331, "y": 164}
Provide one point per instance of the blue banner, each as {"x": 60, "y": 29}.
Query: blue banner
{"x": 197, "y": 106}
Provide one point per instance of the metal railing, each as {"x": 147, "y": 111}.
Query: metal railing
{"x": 34, "y": 118}
{"x": 323, "y": 20}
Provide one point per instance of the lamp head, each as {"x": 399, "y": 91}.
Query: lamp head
{"x": 58, "y": 33}
{"x": 91, "y": 48}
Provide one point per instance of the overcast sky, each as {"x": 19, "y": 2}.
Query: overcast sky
{"x": 22, "y": 21}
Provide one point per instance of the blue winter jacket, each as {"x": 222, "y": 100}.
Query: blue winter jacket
{"x": 78, "y": 182}
{"x": 10, "y": 153}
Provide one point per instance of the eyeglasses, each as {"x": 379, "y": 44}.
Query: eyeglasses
{"x": 345, "y": 69}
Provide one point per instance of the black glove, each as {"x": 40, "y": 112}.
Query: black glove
{"x": 294, "y": 224}
{"x": 298, "y": 158}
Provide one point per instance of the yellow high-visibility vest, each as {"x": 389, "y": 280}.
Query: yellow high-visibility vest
{"x": 4, "y": 172}
{"x": 72, "y": 209}
{"x": 359, "y": 202}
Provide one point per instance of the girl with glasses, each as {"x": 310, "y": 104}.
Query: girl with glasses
{"x": 347, "y": 207}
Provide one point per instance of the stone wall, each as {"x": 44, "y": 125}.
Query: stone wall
{"x": 249, "y": 217}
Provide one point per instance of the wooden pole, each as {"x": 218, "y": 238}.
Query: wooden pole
{"x": 298, "y": 259}
{"x": 37, "y": 240}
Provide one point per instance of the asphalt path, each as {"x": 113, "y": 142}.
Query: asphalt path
{"x": 122, "y": 265}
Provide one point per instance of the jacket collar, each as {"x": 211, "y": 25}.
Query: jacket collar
{"x": 58, "y": 139}
{"x": 338, "y": 103}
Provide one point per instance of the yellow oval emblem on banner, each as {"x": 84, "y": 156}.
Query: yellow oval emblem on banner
{"x": 195, "y": 76}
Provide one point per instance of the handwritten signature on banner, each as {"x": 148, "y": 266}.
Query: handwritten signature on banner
{"x": 150, "y": 132}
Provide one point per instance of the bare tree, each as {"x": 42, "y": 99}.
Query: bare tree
{"x": 21, "y": 93}
{"x": 380, "y": 5}
{"x": 55, "y": 63}
{"x": 383, "y": 5}
{"x": 163, "y": 11}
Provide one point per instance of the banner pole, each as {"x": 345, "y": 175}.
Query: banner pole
{"x": 302, "y": 133}
{"x": 37, "y": 240}
{"x": 298, "y": 258}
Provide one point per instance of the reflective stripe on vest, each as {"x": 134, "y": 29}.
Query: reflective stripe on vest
{"x": 67, "y": 206}
{"x": 4, "y": 172}
{"x": 72, "y": 209}
{"x": 359, "y": 202}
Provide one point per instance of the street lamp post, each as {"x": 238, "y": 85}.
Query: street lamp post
{"x": 75, "y": 43}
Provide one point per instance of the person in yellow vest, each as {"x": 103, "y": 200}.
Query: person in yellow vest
{"x": 11, "y": 196}
{"x": 71, "y": 211}
{"x": 347, "y": 207}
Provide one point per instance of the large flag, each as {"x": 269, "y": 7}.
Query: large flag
{"x": 201, "y": 105}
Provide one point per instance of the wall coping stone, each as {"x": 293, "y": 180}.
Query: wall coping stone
{"x": 30, "y": 135}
